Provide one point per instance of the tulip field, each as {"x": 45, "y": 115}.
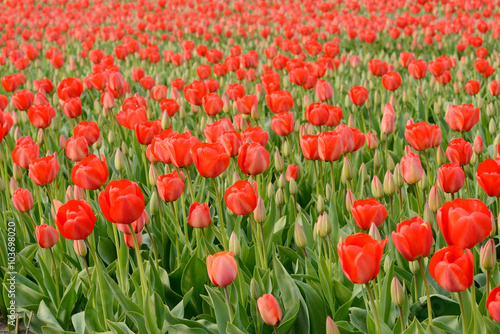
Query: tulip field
{"x": 260, "y": 167}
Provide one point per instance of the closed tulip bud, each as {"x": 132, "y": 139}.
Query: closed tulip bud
{"x": 165, "y": 121}
{"x": 270, "y": 190}
{"x": 437, "y": 109}
{"x": 286, "y": 149}
{"x": 236, "y": 177}
{"x": 441, "y": 156}
{"x": 154, "y": 203}
{"x": 69, "y": 193}
{"x": 351, "y": 122}
{"x": 324, "y": 225}
{"x": 17, "y": 171}
{"x": 234, "y": 245}
{"x": 473, "y": 160}
{"x": 153, "y": 175}
{"x": 293, "y": 187}
{"x": 331, "y": 327}
{"x": 490, "y": 110}
{"x": 349, "y": 200}
{"x": 389, "y": 184}
{"x": 79, "y": 193}
{"x": 259, "y": 213}
{"x": 398, "y": 177}
{"x": 377, "y": 161}
{"x": 13, "y": 185}
{"x": 374, "y": 232}
{"x": 305, "y": 100}
{"x": 363, "y": 173}
{"x": 17, "y": 133}
{"x": 376, "y": 98}
{"x": 496, "y": 141}
{"x": 2, "y": 185}
{"x": 320, "y": 205}
{"x": 377, "y": 188}
{"x": 254, "y": 289}
{"x": 392, "y": 100}
{"x": 40, "y": 137}
{"x": 46, "y": 235}
{"x": 328, "y": 192}
{"x": 111, "y": 137}
{"x": 125, "y": 149}
{"x": 424, "y": 182}
{"x": 279, "y": 164}
{"x": 435, "y": 201}
{"x": 300, "y": 236}
{"x": 414, "y": 267}
{"x": 347, "y": 170}
{"x": 119, "y": 160}
{"x": 278, "y": 198}
{"x": 405, "y": 97}
{"x": 492, "y": 127}
{"x": 80, "y": 247}
{"x": 397, "y": 292}
{"x": 282, "y": 181}
{"x": 488, "y": 256}
{"x": 478, "y": 145}
{"x": 387, "y": 263}
{"x": 428, "y": 214}
{"x": 296, "y": 127}
{"x": 460, "y": 76}
{"x": 62, "y": 141}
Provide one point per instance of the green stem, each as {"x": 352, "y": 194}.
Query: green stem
{"x": 401, "y": 318}
{"x": 464, "y": 326}
{"x": 221, "y": 215}
{"x": 374, "y": 307}
{"x": 228, "y": 305}
{"x": 429, "y": 305}
{"x": 153, "y": 245}
{"x": 276, "y": 329}
{"x": 186, "y": 171}
{"x": 139, "y": 262}
{"x": 317, "y": 176}
{"x": 99, "y": 279}
{"x": 56, "y": 278}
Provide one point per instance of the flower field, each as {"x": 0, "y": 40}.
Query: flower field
{"x": 260, "y": 167}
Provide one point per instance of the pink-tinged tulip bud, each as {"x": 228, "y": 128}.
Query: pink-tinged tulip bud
{"x": 137, "y": 225}
{"x": 371, "y": 141}
{"x": 331, "y": 327}
{"x": 80, "y": 247}
{"x": 478, "y": 145}
{"x": 292, "y": 172}
{"x": 259, "y": 213}
{"x": 397, "y": 292}
{"x": 377, "y": 188}
{"x": 108, "y": 100}
{"x": 488, "y": 255}
{"x": 199, "y": 215}
{"x": 79, "y": 193}
{"x": 269, "y": 309}
{"x": 411, "y": 168}
{"x": 62, "y": 141}
{"x": 222, "y": 268}
{"x": 129, "y": 240}
{"x": 55, "y": 207}
{"x": 374, "y": 232}
{"x": 22, "y": 200}
{"x": 69, "y": 193}
{"x": 13, "y": 185}
{"x": 46, "y": 235}
{"x": 435, "y": 201}
{"x": 72, "y": 65}
{"x": 234, "y": 245}
{"x": 300, "y": 236}
{"x": 349, "y": 200}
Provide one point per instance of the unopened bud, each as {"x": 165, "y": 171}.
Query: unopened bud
{"x": 270, "y": 190}
{"x": 441, "y": 156}
{"x": 435, "y": 200}
{"x": 320, "y": 205}
{"x": 278, "y": 198}
{"x": 331, "y": 327}
{"x": 234, "y": 245}
{"x": 397, "y": 292}
{"x": 414, "y": 267}
{"x": 17, "y": 171}
{"x": 259, "y": 213}
{"x": 154, "y": 203}
{"x": 374, "y": 232}
{"x": 488, "y": 255}
{"x": 282, "y": 181}
{"x": 324, "y": 225}
{"x": 111, "y": 137}
{"x": 293, "y": 187}
{"x": 13, "y": 185}
{"x": 279, "y": 164}
{"x": 300, "y": 236}
{"x": 377, "y": 188}
{"x": 347, "y": 170}
{"x": 80, "y": 247}
{"x": 254, "y": 289}
{"x": 119, "y": 160}
{"x": 349, "y": 200}
{"x": 398, "y": 177}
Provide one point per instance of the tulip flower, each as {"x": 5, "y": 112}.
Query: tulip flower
{"x": 26, "y": 150}
{"x": 269, "y": 310}
{"x": 121, "y": 202}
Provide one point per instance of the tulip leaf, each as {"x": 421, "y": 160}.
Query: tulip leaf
{"x": 386, "y": 301}
{"x": 414, "y": 328}
{"x": 53, "y": 330}
{"x": 78, "y": 321}
{"x": 358, "y": 319}
{"x": 149, "y": 316}
{"x": 107, "y": 250}
{"x": 119, "y": 327}
{"x": 194, "y": 276}
{"x": 220, "y": 309}
{"x": 316, "y": 307}
{"x": 232, "y": 329}
{"x": 441, "y": 306}
{"x": 289, "y": 318}
{"x": 68, "y": 301}
{"x": 183, "y": 329}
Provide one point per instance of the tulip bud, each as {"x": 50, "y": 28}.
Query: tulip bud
{"x": 270, "y": 190}
{"x": 397, "y": 292}
{"x": 351, "y": 122}
{"x": 387, "y": 263}
{"x": 488, "y": 256}
{"x": 349, "y": 200}
{"x": 328, "y": 192}
{"x": 153, "y": 175}
{"x": 154, "y": 203}
{"x": 254, "y": 289}
{"x": 424, "y": 182}
{"x": 236, "y": 177}
{"x": 279, "y": 164}
{"x": 69, "y": 193}
{"x": 363, "y": 173}
{"x": 125, "y": 149}
{"x": 296, "y": 126}
{"x": 376, "y": 97}
{"x": 259, "y": 213}
{"x": 119, "y": 160}
{"x": 130, "y": 241}
{"x": 62, "y": 142}
{"x": 279, "y": 197}
{"x": 286, "y": 149}
{"x": 374, "y": 232}
{"x": 414, "y": 267}
{"x": 165, "y": 121}
{"x": 331, "y": 327}
{"x": 40, "y": 137}
{"x": 490, "y": 110}
{"x": 398, "y": 177}
{"x": 13, "y": 185}
{"x": 79, "y": 193}
{"x": 46, "y": 235}
{"x": 293, "y": 187}
{"x": 405, "y": 96}
{"x": 17, "y": 172}
{"x": 478, "y": 145}
{"x": 389, "y": 184}
{"x": 441, "y": 156}
{"x": 377, "y": 161}
{"x": 347, "y": 170}
{"x": 320, "y": 205}
{"x": 300, "y": 236}
{"x": 111, "y": 137}
{"x": 377, "y": 188}
{"x": 234, "y": 245}
{"x": 390, "y": 163}
{"x": 428, "y": 214}
{"x": 17, "y": 133}
{"x": 435, "y": 201}
{"x": 2, "y": 185}
{"x": 282, "y": 181}
{"x": 255, "y": 113}
{"x": 324, "y": 225}
{"x": 493, "y": 229}
{"x": 80, "y": 247}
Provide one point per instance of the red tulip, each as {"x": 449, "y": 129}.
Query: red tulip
{"x": 147, "y": 82}
{"x": 488, "y": 176}
{"x": 129, "y": 117}
{"x": 309, "y": 146}
{"x": 352, "y": 139}
{"x": 459, "y": 151}
{"x": 75, "y": 220}
{"x": 231, "y": 141}
{"x": 367, "y": 212}
{"x": 324, "y": 90}
{"x": 169, "y": 106}
{"x": 462, "y": 118}
{"x": 246, "y": 104}
{"x": 241, "y": 198}
{"x": 269, "y": 309}
{"x": 418, "y": 69}
{"x": 214, "y": 131}
{"x": 422, "y": 135}
{"x": 391, "y": 81}
{"x": 22, "y": 200}
{"x": 256, "y": 135}
{"x": 146, "y": 131}
{"x": 358, "y": 95}
{"x": 88, "y": 130}
{"x": 26, "y": 150}
{"x": 292, "y": 172}
{"x": 158, "y": 92}
{"x": 377, "y": 67}
{"x": 451, "y": 177}
{"x": 69, "y": 87}
{"x": 330, "y": 146}
{"x": 6, "y": 123}
{"x": 76, "y": 148}
{"x": 211, "y": 160}
{"x": 72, "y": 107}
{"x": 221, "y": 268}
{"x": 452, "y": 268}
{"x": 493, "y": 303}
{"x": 179, "y": 146}
{"x": 171, "y": 186}
{"x": 283, "y": 123}
{"x": 253, "y": 159}
{"x": 137, "y": 226}
{"x": 199, "y": 215}
{"x": 411, "y": 168}
{"x": 360, "y": 257}
{"x": 494, "y": 88}
{"x": 271, "y": 83}
{"x": 44, "y": 170}
{"x": 194, "y": 92}
{"x": 90, "y": 173}
{"x": 472, "y": 87}
{"x": 41, "y": 115}
{"x": 22, "y": 100}
{"x": 335, "y": 115}
{"x": 409, "y": 231}
{"x": 317, "y": 113}
{"x": 464, "y": 222}
{"x": 121, "y": 202}
{"x": 279, "y": 101}
{"x": 46, "y": 235}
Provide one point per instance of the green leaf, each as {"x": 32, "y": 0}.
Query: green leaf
{"x": 289, "y": 318}
{"x": 107, "y": 250}
{"x": 232, "y": 329}
{"x": 414, "y": 328}
{"x": 149, "y": 316}
{"x": 220, "y": 309}
{"x": 119, "y": 327}
{"x": 316, "y": 307}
